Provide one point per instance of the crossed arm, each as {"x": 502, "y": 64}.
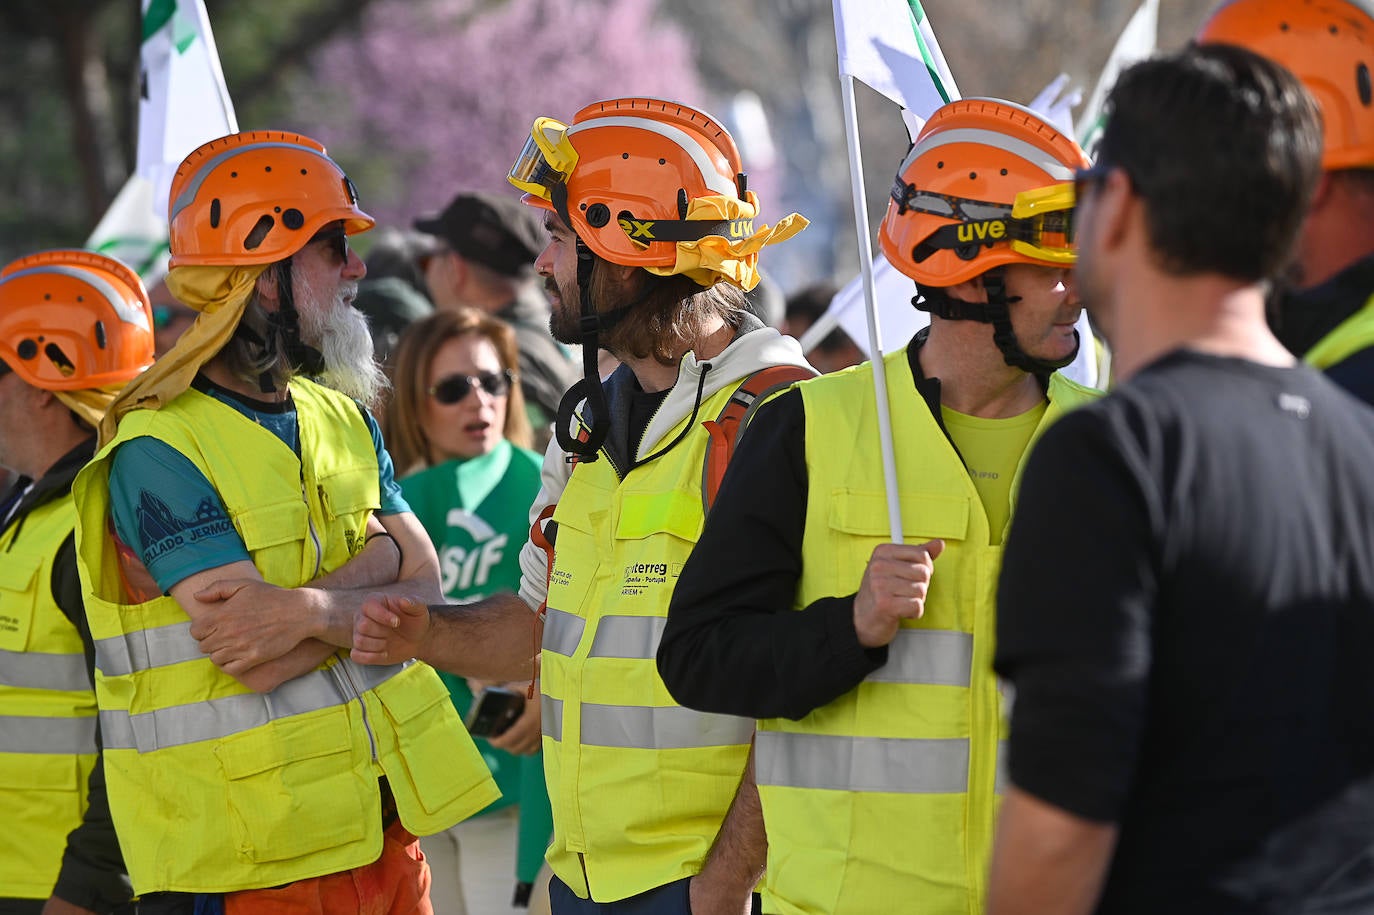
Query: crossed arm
{"x": 263, "y": 635}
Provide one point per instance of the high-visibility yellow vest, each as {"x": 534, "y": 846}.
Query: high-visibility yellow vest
{"x": 884, "y": 799}
{"x": 639, "y": 785}
{"x": 47, "y": 707}
{"x": 213, "y": 787}
{"x": 1353, "y": 334}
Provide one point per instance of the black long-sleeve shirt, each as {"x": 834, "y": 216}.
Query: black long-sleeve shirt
{"x": 732, "y": 643}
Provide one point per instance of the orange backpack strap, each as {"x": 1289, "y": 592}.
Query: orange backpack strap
{"x": 725, "y": 429}
{"x": 543, "y": 539}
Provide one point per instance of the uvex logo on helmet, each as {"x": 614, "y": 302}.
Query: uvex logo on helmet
{"x": 974, "y": 193}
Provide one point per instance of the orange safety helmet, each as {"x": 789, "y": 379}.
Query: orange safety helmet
{"x": 74, "y": 320}
{"x": 975, "y": 193}
{"x": 630, "y": 169}
{"x": 1329, "y": 45}
{"x": 257, "y": 198}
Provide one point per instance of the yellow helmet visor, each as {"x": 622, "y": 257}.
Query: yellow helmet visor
{"x": 546, "y": 160}
{"x": 1038, "y": 225}
{"x": 1045, "y": 219}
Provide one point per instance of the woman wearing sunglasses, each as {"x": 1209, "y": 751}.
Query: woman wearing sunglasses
{"x": 458, "y": 432}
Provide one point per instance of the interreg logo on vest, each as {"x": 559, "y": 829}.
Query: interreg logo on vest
{"x": 639, "y": 575}
{"x": 464, "y": 568}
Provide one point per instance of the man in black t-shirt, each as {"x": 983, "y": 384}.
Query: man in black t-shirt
{"x": 1193, "y": 727}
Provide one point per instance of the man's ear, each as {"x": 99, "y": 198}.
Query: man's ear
{"x": 268, "y": 288}
{"x": 1323, "y": 191}
{"x": 622, "y": 273}
{"x": 969, "y": 290}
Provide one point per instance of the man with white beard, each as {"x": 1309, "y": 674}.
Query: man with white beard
{"x": 228, "y": 529}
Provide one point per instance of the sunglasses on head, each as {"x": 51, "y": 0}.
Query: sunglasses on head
{"x": 454, "y": 388}
{"x": 337, "y": 240}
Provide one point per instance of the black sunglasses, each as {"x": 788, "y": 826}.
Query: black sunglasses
{"x": 336, "y": 238}
{"x": 1089, "y": 178}
{"x": 454, "y": 388}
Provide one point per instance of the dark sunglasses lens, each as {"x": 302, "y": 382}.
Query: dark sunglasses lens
{"x": 452, "y": 389}
{"x": 455, "y": 387}
{"x": 494, "y": 383}
{"x": 337, "y": 241}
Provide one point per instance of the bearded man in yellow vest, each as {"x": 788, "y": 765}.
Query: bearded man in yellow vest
{"x": 1327, "y": 318}
{"x": 654, "y": 238}
{"x": 228, "y": 530}
{"x": 868, "y": 663}
{"x": 75, "y": 326}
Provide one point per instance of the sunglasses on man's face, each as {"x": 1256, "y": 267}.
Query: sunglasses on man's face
{"x": 1088, "y": 179}
{"x": 337, "y": 240}
{"x": 452, "y": 389}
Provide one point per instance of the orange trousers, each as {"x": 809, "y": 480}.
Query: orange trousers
{"x": 397, "y": 883}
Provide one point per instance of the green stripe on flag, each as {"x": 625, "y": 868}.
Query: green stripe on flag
{"x": 918, "y": 17}
{"x": 159, "y": 13}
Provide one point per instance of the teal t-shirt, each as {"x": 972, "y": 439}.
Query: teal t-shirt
{"x": 477, "y": 513}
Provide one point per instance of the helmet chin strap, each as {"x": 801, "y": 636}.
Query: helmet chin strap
{"x": 585, "y": 445}
{"x": 285, "y": 325}
{"x": 997, "y": 312}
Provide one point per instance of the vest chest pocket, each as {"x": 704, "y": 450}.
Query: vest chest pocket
{"x": 18, "y": 598}
{"x": 266, "y": 526}
{"x": 654, "y": 535}
{"x": 350, "y": 492}
{"x": 292, "y": 788}
{"x": 858, "y": 521}
{"x": 575, "y": 566}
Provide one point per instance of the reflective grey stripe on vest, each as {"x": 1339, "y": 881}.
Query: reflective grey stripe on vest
{"x": 667, "y": 728}
{"x": 551, "y": 714}
{"x": 888, "y": 764}
{"x": 160, "y": 646}
{"x": 65, "y": 736}
{"x": 562, "y": 632}
{"x": 228, "y": 715}
{"x": 1003, "y": 773}
{"x": 627, "y": 636}
{"x": 35, "y": 670}
{"x": 927, "y": 656}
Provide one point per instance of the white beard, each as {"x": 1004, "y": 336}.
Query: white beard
{"x": 340, "y": 332}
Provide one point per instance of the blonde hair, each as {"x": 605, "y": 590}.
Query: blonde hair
{"x": 402, "y": 424}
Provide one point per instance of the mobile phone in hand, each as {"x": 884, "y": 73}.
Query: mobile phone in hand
{"x": 494, "y": 709}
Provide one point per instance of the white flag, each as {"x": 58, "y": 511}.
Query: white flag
{"x": 890, "y": 46}
{"x": 184, "y": 103}
{"x": 1056, "y": 102}
{"x": 1137, "y": 42}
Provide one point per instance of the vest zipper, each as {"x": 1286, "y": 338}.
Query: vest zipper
{"x": 345, "y": 680}
{"x": 314, "y": 534}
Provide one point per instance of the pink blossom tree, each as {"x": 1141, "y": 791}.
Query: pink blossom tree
{"x": 432, "y": 96}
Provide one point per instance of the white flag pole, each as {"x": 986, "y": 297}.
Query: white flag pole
{"x": 856, "y": 180}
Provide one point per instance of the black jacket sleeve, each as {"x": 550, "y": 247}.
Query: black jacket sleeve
{"x": 732, "y": 643}
{"x": 92, "y": 874}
